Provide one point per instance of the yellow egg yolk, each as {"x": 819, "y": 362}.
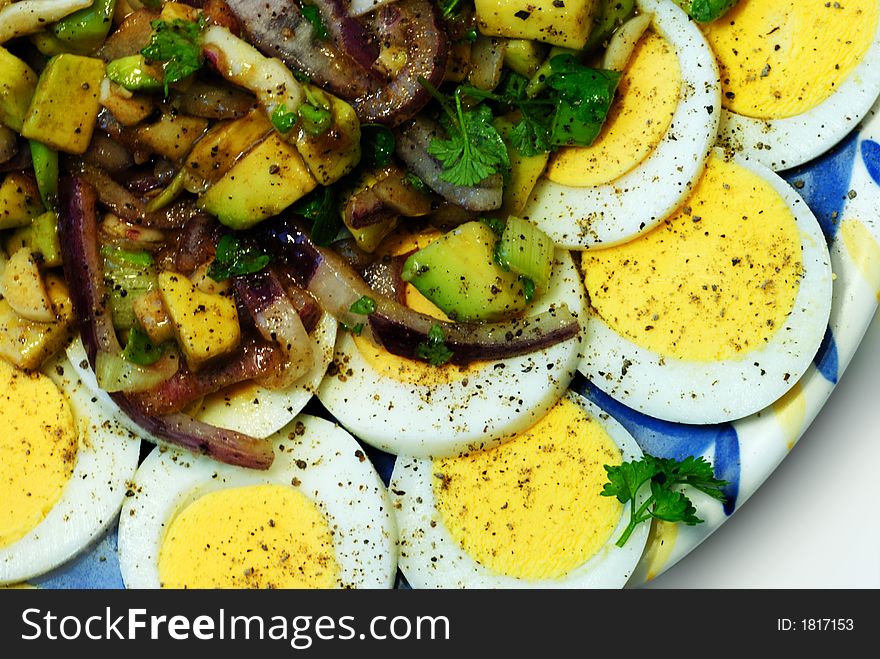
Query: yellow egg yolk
{"x": 647, "y": 97}
{"x": 257, "y": 536}
{"x": 531, "y": 508}
{"x": 779, "y": 58}
{"x": 712, "y": 282}
{"x": 38, "y": 447}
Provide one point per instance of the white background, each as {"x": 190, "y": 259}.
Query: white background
{"x": 815, "y": 523}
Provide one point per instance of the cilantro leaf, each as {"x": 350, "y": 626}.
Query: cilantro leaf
{"x": 474, "y": 150}
{"x": 320, "y": 207}
{"x": 583, "y": 97}
{"x": 667, "y": 501}
{"x": 177, "y": 44}
{"x": 234, "y": 258}
{"x": 531, "y": 135}
{"x": 434, "y": 350}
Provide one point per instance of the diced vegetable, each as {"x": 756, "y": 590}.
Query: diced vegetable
{"x": 85, "y": 30}
{"x": 17, "y": 85}
{"x": 206, "y": 325}
{"x": 261, "y": 184}
{"x": 65, "y": 105}
{"x": 527, "y": 251}
{"x": 332, "y": 153}
{"x": 24, "y": 290}
{"x": 524, "y": 56}
{"x": 524, "y": 172}
{"x": 29, "y": 16}
{"x": 46, "y": 170}
{"x": 560, "y": 23}
{"x": 19, "y": 200}
{"x": 140, "y": 350}
{"x": 459, "y": 274}
{"x": 44, "y": 239}
{"x": 614, "y": 13}
{"x": 172, "y": 136}
{"x": 127, "y": 108}
{"x": 132, "y": 73}
{"x": 152, "y": 317}
{"x": 27, "y": 344}
{"x": 128, "y": 275}
{"x": 116, "y": 373}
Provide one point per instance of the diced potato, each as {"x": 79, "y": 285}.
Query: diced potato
{"x": 17, "y": 84}
{"x": 565, "y": 24}
{"x": 333, "y": 154}
{"x": 126, "y": 107}
{"x": 24, "y": 290}
{"x": 19, "y": 200}
{"x": 216, "y": 152}
{"x": 262, "y": 184}
{"x": 151, "y": 316}
{"x": 172, "y": 136}
{"x": 64, "y": 108}
{"x": 28, "y": 344}
{"x": 206, "y": 325}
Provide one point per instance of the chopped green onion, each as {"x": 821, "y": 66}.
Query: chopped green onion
{"x": 315, "y": 120}
{"x": 140, "y": 350}
{"x": 527, "y": 251}
{"x": 364, "y": 306}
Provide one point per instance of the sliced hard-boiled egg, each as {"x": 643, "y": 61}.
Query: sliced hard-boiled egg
{"x": 248, "y": 407}
{"x": 525, "y": 514}
{"x": 797, "y": 75}
{"x": 319, "y": 518}
{"x": 717, "y": 312}
{"x": 652, "y": 149}
{"x": 64, "y": 468}
{"x": 407, "y": 407}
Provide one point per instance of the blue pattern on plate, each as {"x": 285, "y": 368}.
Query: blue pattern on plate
{"x": 97, "y": 568}
{"x": 666, "y": 439}
{"x": 826, "y": 359}
{"x": 871, "y": 158}
{"x": 824, "y": 183}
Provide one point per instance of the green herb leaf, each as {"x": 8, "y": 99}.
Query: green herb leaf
{"x": 377, "y": 145}
{"x": 235, "y": 258}
{"x": 415, "y": 183}
{"x": 434, "y": 350}
{"x": 313, "y": 15}
{"x": 177, "y": 45}
{"x": 140, "y": 350}
{"x": 666, "y": 501}
{"x": 449, "y": 8}
{"x": 583, "y": 96}
{"x": 364, "y": 306}
{"x": 474, "y": 150}
{"x": 320, "y": 207}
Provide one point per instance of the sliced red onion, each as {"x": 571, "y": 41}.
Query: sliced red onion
{"x": 215, "y": 100}
{"x": 361, "y": 7}
{"x": 78, "y": 232}
{"x": 413, "y": 140}
{"x": 364, "y": 209}
{"x": 275, "y": 317}
{"x": 130, "y": 37}
{"x": 196, "y": 243}
{"x": 129, "y": 207}
{"x": 252, "y": 359}
{"x": 107, "y": 154}
{"x": 487, "y": 60}
{"x": 385, "y": 276}
{"x": 343, "y": 65}
{"x": 398, "y": 328}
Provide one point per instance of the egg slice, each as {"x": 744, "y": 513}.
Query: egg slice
{"x": 526, "y": 514}
{"x": 319, "y": 517}
{"x": 797, "y": 75}
{"x": 247, "y": 407}
{"x": 718, "y": 311}
{"x": 64, "y": 466}
{"x": 407, "y": 407}
{"x": 652, "y": 149}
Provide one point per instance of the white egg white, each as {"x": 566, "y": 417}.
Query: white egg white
{"x": 714, "y": 392}
{"x": 786, "y": 143}
{"x": 580, "y": 217}
{"x": 324, "y": 461}
{"x": 431, "y": 558}
{"x": 107, "y": 456}
{"x": 252, "y": 410}
{"x": 439, "y": 419}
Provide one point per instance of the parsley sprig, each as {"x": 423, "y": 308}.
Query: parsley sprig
{"x": 434, "y": 350}
{"x": 177, "y": 44}
{"x": 474, "y": 149}
{"x": 666, "y": 476}
{"x": 235, "y": 258}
